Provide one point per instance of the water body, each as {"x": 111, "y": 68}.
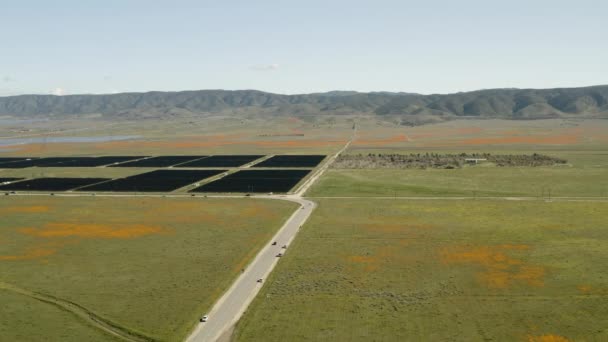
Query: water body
{"x": 43, "y": 140}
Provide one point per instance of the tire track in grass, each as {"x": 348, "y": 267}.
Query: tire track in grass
{"x": 88, "y": 316}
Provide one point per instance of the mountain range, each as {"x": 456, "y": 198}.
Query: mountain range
{"x": 492, "y": 103}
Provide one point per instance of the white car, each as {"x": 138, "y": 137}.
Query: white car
{"x": 204, "y": 318}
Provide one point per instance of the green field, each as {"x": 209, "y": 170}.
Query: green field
{"x": 437, "y": 270}
{"x": 26, "y": 319}
{"x": 146, "y": 265}
{"x": 584, "y": 175}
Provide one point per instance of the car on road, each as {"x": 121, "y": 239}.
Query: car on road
{"x": 260, "y": 280}
{"x": 274, "y": 243}
{"x": 205, "y": 318}
{"x": 284, "y": 247}
{"x": 279, "y": 255}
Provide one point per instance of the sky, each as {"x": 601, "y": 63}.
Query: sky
{"x": 290, "y": 47}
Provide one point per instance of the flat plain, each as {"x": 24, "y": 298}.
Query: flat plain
{"x": 146, "y": 265}
{"x": 399, "y": 270}
{"x": 361, "y": 269}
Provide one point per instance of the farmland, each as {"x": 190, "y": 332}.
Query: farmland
{"x": 111, "y": 256}
{"x": 382, "y": 269}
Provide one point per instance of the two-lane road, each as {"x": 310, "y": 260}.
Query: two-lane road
{"x": 227, "y": 311}
{"x": 231, "y": 306}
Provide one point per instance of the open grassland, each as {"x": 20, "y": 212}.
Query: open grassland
{"x": 146, "y": 265}
{"x": 436, "y": 270}
{"x": 26, "y": 319}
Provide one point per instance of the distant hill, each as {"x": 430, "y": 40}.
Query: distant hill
{"x": 493, "y": 103}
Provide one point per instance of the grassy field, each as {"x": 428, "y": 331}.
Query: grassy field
{"x": 25, "y": 319}
{"x": 437, "y": 270}
{"x": 584, "y": 176}
{"x": 149, "y": 265}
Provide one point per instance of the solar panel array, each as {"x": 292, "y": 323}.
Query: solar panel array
{"x": 65, "y": 162}
{"x": 255, "y": 181}
{"x": 155, "y": 181}
{"x": 245, "y": 180}
{"x": 222, "y": 161}
{"x": 51, "y": 184}
{"x": 162, "y": 161}
{"x": 8, "y": 179}
{"x": 8, "y": 160}
{"x": 292, "y": 161}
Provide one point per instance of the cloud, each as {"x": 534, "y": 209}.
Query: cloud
{"x": 265, "y": 67}
{"x": 58, "y": 91}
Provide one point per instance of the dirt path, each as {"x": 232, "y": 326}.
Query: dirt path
{"x": 81, "y": 312}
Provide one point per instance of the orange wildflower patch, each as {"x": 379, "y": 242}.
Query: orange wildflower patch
{"x": 564, "y": 139}
{"x": 547, "y": 338}
{"x": 446, "y": 132}
{"x": 89, "y": 230}
{"x": 30, "y": 253}
{"x": 297, "y": 143}
{"x": 394, "y": 139}
{"x": 27, "y": 210}
{"x": 586, "y": 289}
{"x": 468, "y": 130}
{"x": 500, "y": 270}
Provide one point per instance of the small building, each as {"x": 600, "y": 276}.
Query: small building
{"x": 474, "y": 160}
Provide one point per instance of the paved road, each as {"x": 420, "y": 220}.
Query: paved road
{"x": 227, "y": 311}
{"x": 231, "y": 306}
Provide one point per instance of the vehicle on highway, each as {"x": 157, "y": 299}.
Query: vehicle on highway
{"x": 260, "y": 280}
{"x": 284, "y": 247}
{"x": 274, "y": 243}
{"x": 204, "y": 318}
{"x": 279, "y": 255}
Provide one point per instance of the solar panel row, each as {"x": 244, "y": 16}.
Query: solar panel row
{"x": 52, "y": 184}
{"x": 66, "y": 162}
{"x": 222, "y": 161}
{"x": 8, "y": 160}
{"x": 255, "y": 181}
{"x": 8, "y": 179}
{"x": 155, "y": 181}
{"x": 162, "y": 161}
{"x": 292, "y": 161}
